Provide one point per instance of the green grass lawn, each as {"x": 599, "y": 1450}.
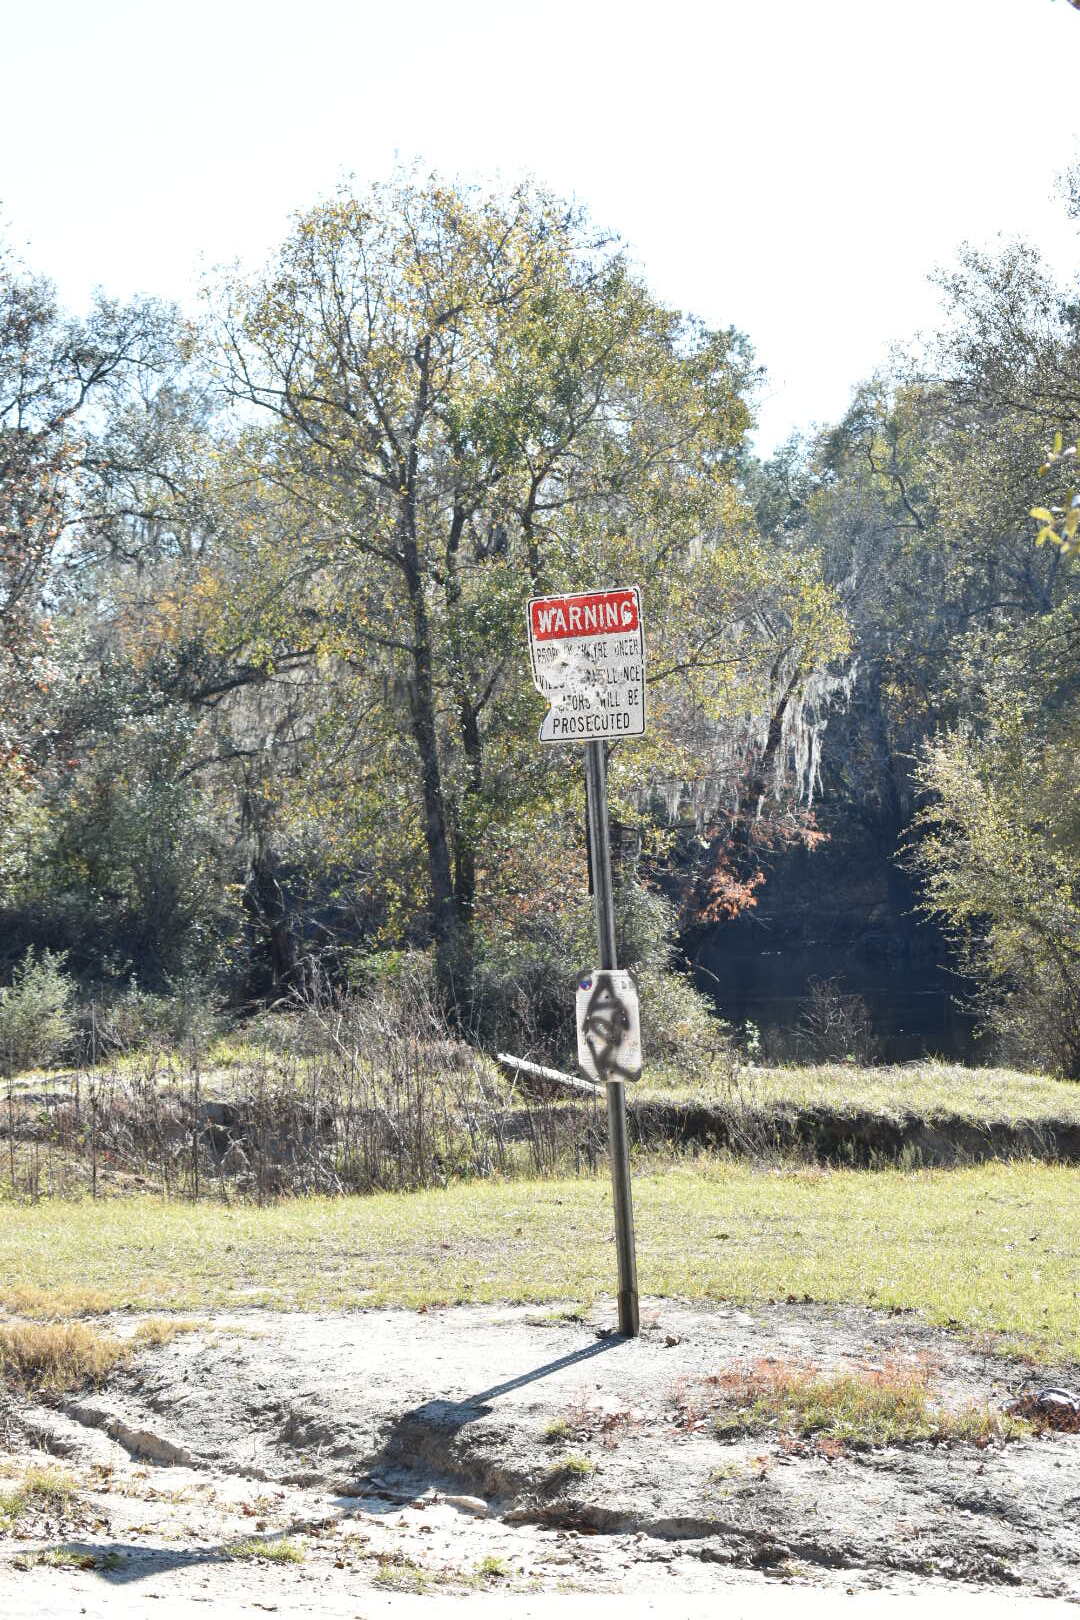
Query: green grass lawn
{"x": 991, "y": 1250}
{"x": 926, "y": 1089}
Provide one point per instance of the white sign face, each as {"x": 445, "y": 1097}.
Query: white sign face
{"x": 608, "y": 1026}
{"x": 588, "y": 660}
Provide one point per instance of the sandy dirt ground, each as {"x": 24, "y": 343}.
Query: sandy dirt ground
{"x": 518, "y": 1458}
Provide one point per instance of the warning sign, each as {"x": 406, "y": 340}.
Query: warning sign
{"x": 588, "y": 660}
{"x": 608, "y": 1026}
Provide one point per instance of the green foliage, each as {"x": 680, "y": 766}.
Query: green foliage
{"x": 134, "y": 1020}
{"x": 129, "y": 864}
{"x": 1060, "y": 524}
{"x": 956, "y": 1245}
{"x": 37, "y": 1013}
{"x": 521, "y": 988}
{"x": 470, "y": 400}
{"x": 1000, "y": 844}
{"x": 257, "y": 1549}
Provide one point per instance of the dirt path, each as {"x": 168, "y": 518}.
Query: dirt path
{"x": 502, "y": 1453}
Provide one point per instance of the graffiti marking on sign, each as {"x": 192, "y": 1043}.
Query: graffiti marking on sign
{"x": 608, "y": 1026}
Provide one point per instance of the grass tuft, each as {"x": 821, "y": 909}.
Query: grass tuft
{"x": 161, "y": 1330}
{"x": 276, "y": 1552}
{"x": 72, "y": 1558}
{"x": 888, "y": 1405}
{"x": 40, "y": 1490}
{"x": 572, "y": 1466}
{"x": 493, "y": 1568}
{"x": 402, "y": 1575}
{"x": 47, "y": 1357}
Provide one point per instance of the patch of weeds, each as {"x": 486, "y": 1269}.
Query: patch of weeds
{"x": 55, "y": 1304}
{"x": 46, "y": 1357}
{"x": 402, "y": 1575}
{"x": 493, "y": 1568}
{"x": 887, "y": 1405}
{"x": 572, "y": 1466}
{"x": 160, "y": 1330}
{"x": 71, "y": 1558}
{"x": 275, "y": 1552}
{"x": 574, "y": 1313}
{"x": 41, "y": 1489}
{"x": 583, "y": 1423}
{"x": 727, "y": 1471}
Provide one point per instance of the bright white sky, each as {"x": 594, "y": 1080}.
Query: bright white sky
{"x": 794, "y": 167}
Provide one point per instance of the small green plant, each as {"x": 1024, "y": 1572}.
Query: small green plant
{"x": 276, "y": 1552}
{"x": 727, "y": 1471}
{"x": 37, "y": 1013}
{"x": 40, "y": 1489}
{"x": 557, "y": 1431}
{"x": 402, "y": 1575}
{"x": 493, "y": 1568}
{"x": 572, "y": 1466}
{"x": 74, "y": 1558}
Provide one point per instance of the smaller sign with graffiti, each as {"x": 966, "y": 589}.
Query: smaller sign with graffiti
{"x": 608, "y": 1026}
{"x": 588, "y": 660}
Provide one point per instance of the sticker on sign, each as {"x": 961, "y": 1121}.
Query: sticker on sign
{"x": 588, "y": 660}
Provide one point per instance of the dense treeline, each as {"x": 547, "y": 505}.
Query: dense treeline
{"x": 266, "y": 720}
{"x": 959, "y": 748}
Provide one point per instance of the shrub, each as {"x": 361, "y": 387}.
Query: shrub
{"x": 521, "y": 989}
{"x": 37, "y": 1014}
{"x": 998, "y": 844}
{"x": 135, "y": 1020}
{"x": 837, "y": 1025}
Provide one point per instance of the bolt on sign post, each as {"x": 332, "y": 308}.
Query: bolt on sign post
{"x": 588, "y": 661}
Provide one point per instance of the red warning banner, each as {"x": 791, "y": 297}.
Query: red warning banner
{"x": 599, "y": 613}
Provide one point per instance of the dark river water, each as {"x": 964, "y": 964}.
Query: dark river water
{"x": 850, "y": 924}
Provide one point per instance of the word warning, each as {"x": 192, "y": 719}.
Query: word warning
{"x": 588, "y": 660}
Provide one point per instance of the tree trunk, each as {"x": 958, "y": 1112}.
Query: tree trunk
{"x": 266, "y": 903}
{"x": 465, "y": 845}
{"x": 758, "y": 785}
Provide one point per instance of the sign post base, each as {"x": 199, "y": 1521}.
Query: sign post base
{"x": 629, "y": 1314}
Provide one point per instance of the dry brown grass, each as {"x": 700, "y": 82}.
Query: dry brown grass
{"x": 161, "y": 1330}
{"x": 47, "y": 1357}
{"x": 54, "y": 1304}
{"x": 889, "y": 1404}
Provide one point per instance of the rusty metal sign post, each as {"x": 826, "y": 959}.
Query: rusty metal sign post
{"x": 588, "y": 660}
